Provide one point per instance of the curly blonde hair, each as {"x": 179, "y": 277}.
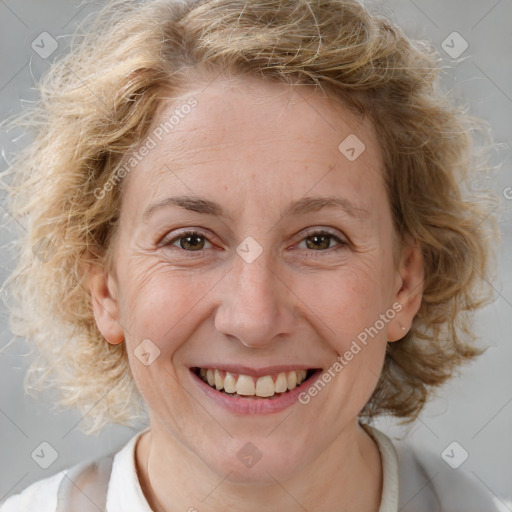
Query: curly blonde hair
{"x": 96, "y": 104}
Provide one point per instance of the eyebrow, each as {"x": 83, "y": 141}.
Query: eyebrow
{"x": 301, "y": 207}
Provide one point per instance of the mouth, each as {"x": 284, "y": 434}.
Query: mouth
{"x": 270, "y": 387}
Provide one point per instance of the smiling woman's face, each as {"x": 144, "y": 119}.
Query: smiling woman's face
{"x": 258, "y": 289}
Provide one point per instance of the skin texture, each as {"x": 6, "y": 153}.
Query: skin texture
{"x": 253, "y": 147}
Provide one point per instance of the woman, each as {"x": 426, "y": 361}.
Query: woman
{"x": 247, "y": 218}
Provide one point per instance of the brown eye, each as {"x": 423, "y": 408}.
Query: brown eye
{"x": 318, "y": 242}
{"x": 321, "y": 241}
{"x": 191, "y": 241}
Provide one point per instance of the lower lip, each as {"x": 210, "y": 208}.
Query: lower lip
{"x": 255, "y": 405}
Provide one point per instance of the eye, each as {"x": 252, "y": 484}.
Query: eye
{"x": 321, "y": 240}
{"x": 192, "y": 241}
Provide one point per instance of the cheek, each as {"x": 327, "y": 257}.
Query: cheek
{"x": 160, "y": 307}
{"x": 347, "y": 300}
{"x": 357, "y": 335}
{"x": 350, "y": 308}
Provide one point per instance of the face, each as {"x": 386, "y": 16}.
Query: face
{"x": 253, "y": 241}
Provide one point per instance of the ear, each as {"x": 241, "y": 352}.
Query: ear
{"x": 408, "y": 289}
{"x": 105, "y": 303}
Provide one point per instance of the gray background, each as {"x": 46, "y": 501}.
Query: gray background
{"x": 474, "y": 409}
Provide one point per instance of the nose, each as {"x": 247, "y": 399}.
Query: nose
{"x": 256, "y": 306}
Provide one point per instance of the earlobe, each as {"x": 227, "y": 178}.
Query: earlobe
{"x": 409, "y": 289}
{"x": 105, "y": 304}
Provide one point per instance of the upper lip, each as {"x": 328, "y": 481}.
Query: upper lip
{"x": 256, "y": 372}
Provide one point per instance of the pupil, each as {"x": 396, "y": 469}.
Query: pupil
{"x": 195, "y": 240}
{"x": 317, "y": 238}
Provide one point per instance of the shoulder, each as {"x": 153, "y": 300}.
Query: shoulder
{"x": 75, "y": 488}
{"x": 417, "y": 480}
{"x": 427, "y": 482}
{"x": 93, "y": 481}
{"x": 40, "y": 496}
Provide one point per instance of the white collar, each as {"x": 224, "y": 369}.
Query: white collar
{"x": 125, "y": 492}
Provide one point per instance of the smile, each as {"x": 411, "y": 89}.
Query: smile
{"x": 247, "y": 386}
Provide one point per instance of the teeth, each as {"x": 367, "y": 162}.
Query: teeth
{"x": 291, "y": 379}
{"x": 229, "y": 383}
{"x": 281, "y": 383}
{"x": 265, "y": 386}
{"x": 219, "y": 381}
{"x": 246, "y": 385}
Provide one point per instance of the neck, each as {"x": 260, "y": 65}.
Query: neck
{"x": 173, "y": 479}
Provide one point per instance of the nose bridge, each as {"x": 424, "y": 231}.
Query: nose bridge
{"x": 255, "y": 303}
{"x": 256, "y": 283}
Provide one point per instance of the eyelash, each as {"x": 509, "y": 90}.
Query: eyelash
{"x": 342, "y": 243}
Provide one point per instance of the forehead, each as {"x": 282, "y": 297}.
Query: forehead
{"x": 247, "y": 133}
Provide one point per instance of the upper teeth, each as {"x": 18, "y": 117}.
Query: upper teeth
{"x": 247, "y": 385}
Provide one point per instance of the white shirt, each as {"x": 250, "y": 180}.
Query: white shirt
{"x": 409, "y": 485}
